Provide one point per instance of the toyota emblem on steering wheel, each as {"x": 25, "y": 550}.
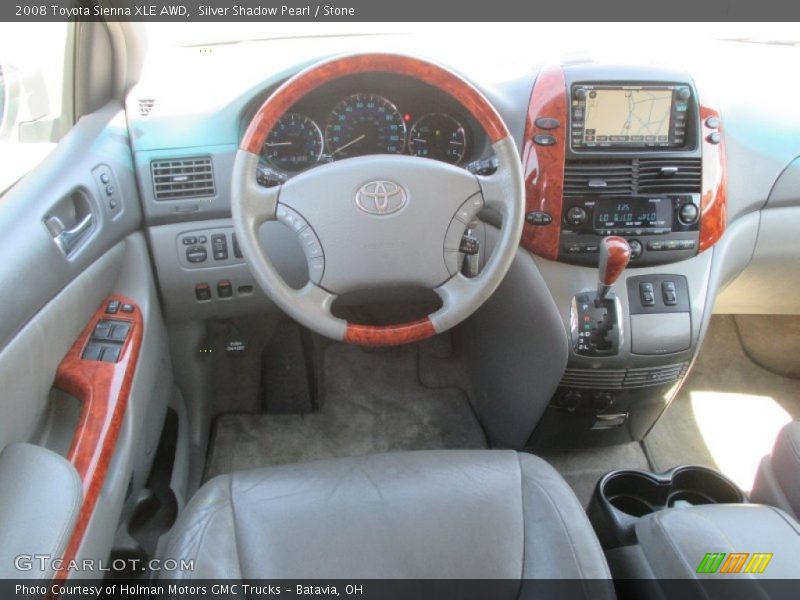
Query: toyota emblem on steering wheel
{"x": 381, "y": 197}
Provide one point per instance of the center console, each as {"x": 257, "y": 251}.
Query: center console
{"x": 635, "y": 156}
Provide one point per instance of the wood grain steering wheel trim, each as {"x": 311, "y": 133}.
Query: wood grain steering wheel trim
{"x": 310, "y": 79}
{"x": 318, "y": 75}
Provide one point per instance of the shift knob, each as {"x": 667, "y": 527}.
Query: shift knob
{"x": 615, "y": 254}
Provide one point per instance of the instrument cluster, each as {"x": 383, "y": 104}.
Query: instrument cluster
{"x": 360, "y": 124}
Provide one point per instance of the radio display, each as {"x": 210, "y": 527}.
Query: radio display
{"x": 633, "y": 213}
{"x": 629, "y": 116}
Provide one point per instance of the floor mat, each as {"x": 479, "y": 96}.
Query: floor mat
{"x": 372, "y": 402}
{"x": 583, "y": 468}
{"x": 728, "y": 412}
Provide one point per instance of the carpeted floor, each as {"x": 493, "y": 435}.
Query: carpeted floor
{"x": 728, "y": 412}
{"x": 372, "y": 402}
{"x": 583, "y": 468}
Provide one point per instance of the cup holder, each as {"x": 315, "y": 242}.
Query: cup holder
{"x": 621, "y": 497}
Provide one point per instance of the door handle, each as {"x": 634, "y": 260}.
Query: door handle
{"x": 67, "y": 239}
{"x": 71, "y": 220}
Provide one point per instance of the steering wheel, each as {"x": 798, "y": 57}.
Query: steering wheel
{"x": 382, "y": 220}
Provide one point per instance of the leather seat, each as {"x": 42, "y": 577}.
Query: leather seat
{"x": 778, "y": 478}
{"x": 430, "y": 514}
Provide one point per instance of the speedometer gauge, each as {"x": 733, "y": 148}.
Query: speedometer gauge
{"x": 438, "y": 136}
{"x": 294, "y": 144}
{"x": 365, "y": 124}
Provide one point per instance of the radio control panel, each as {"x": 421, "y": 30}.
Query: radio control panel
{"x": 660, "y": 229}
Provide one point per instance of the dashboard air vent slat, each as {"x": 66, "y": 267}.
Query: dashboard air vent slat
{"x": 637, "y": 176}
{"x": 611, "y": 379}
{"x": 175, "y": 179}
{"x": 670, "y": 175}
{"x": 598, "y": 177}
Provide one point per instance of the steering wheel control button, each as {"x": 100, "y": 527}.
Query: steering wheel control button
{"x": 196, "y": 254}
{"x": 310, "y": 243}
{"x": 469, "y": 210}
{"x": 547, "y": 123}
{"x": 539, "y": 218}
{"x": 291, "y": 219}
{"x": 202, "y": 292}
{"x": 544, "y": 140}
{"x": 316, "y": 268}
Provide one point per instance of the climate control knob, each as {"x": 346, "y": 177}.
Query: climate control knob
{"x": 636, "y": 248}
{"x": 688, "y": 214}
{"x": 576, "y": 216}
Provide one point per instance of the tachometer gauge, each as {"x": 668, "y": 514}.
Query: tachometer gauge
{"x": 294, "y": 144}
{"x": 438, "y": 136}
{"x": 365, "y": 124}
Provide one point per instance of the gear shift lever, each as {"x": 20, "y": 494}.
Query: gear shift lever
{"x": 615, "y": 254}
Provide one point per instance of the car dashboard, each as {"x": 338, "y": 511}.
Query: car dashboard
{"x": 675, "y": 179}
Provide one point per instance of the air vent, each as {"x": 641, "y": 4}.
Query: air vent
{"x": 182, "y": 178}
{"x": 607, "y": 379}
{"x": 637, "y": 176}
{"x": 670, "y": 176}
{"x": 613, "y": 379}
{"x": 604, "y": 177}
{"x": 146, "y": 106}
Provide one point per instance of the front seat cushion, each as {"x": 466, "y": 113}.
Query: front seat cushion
{"x": 435, "y": 514}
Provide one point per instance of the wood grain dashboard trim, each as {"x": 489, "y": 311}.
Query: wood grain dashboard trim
{"x": 714, "y": 194}
{"x": 543, "y": 166}
{"x": 103, "y": 389}
{"x": 312, "y": 78}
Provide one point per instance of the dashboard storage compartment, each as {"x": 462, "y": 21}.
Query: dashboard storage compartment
{"x": 622, "y": 497}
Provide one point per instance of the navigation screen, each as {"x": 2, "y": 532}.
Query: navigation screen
{"x": 626, "y": 117}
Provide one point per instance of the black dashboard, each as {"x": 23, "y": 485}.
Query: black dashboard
{"x": 369, "y": 114}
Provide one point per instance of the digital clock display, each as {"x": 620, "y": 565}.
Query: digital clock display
{"x": 633, "y": 213}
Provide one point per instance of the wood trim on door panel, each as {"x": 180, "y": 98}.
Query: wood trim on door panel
{"x": 103, "y": 389}
{"x": 543, "y": 166}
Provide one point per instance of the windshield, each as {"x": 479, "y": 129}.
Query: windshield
{"x": 580, "y": 35}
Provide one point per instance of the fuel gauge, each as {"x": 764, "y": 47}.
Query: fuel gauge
{"x": 438, "y": 136}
